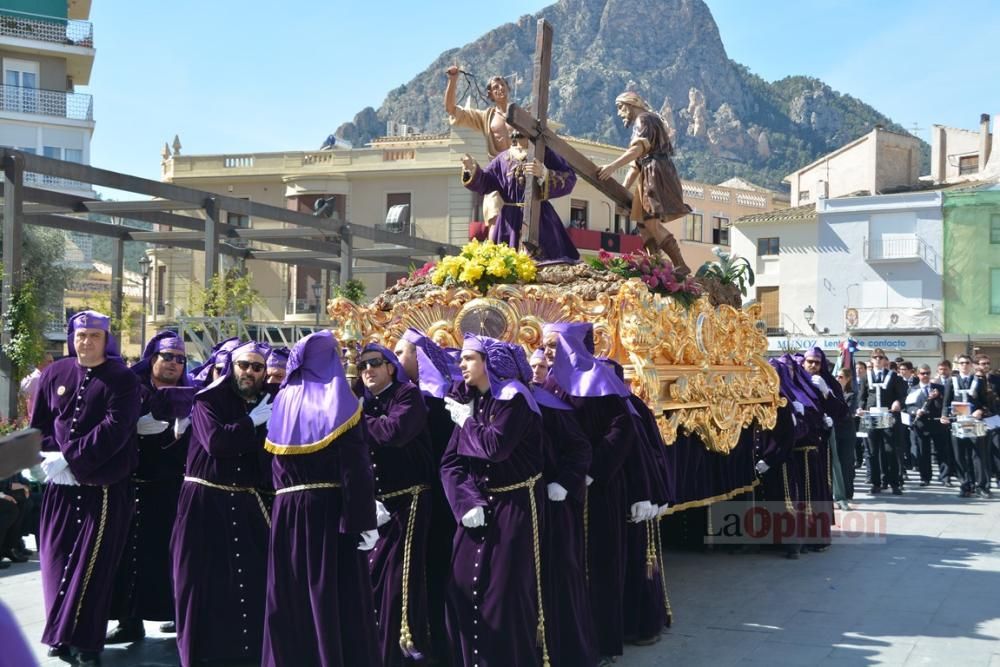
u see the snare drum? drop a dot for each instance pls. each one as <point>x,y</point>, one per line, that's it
<point>968,428</point>
<point>877,421</point>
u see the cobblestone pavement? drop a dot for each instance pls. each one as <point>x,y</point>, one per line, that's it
<point>928,595</point>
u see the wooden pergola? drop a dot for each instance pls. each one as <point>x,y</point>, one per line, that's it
<point>192,220</point>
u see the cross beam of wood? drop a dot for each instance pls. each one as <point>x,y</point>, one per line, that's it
<point>540,95</point>
<point>536,129</point>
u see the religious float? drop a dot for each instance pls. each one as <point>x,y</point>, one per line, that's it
<point>692,355</point>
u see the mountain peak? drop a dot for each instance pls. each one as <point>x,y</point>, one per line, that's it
<point>726,121</point>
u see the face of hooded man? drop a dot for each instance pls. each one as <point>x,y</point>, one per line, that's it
<point>90,345</point>
<point>248,375</point>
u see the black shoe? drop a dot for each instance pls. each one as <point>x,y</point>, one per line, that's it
<point>126,632</point>
<point>964,494</point>
<point>980,493</point>
<point>925,483</point>
<point>875,490</point>
<point>62,652</point>
<point>950,484</point>
<point>169,627</point>
<point>88,659</point>
<point>897,491</point>
<point>4,565</point>
<point>792,555</point>
<point>14,557</point>
<point>819,548</point>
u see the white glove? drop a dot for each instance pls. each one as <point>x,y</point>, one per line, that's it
<point>53,464</point>
<point>588,479</point>
<point>181,425</point>
<point>460,412</point>
<point>827,421</point>
<point>474,518</point>
<point>820,384</point>
<point>149,425</point>
<point>65,478</point>
<point>382,515</point>
<point>799,407</point>
<point>261,412</point>
<point>557,492</point>
<point>368,540</point>
<point>643,511</point>
<point>761,467</point>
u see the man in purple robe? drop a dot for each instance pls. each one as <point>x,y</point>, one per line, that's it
<point>599,399</point>
<point>277,365</point>
<point>220,538</point>
<point>507,174</point>
<point>839,420</point>
<point>402,463</point>
<point>86,409</point>
<point>570,622</point>
<point>144,589</point>
<point>320,609</point>
<point>434,372</point>
<point>491,472</point>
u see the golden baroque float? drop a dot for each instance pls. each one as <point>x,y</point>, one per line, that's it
<point>700,369</point>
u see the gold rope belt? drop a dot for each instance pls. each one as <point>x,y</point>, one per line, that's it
<point>92,561</point>
<point>408,491</point>
<point>663,575</point>
<point>405,635</point>
<point>307,487</point>
<point>234,489</point>
<point>530,484</point>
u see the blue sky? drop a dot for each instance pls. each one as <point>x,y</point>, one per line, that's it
<point>253,76</point>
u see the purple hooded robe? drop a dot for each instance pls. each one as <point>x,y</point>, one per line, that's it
<point>88,414</point>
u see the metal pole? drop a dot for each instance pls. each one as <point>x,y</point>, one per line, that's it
<point>142,336</point>
<point>12,212</point>
<point>346,255</point>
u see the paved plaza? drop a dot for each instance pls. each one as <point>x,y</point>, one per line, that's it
<point>930,595</point>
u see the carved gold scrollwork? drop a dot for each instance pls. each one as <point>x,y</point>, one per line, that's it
<point>701,369</point>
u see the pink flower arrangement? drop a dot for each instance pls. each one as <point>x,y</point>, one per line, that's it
<point>655,271</point>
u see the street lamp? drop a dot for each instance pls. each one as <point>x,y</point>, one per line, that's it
<point>316,287</point>
<point>144,264</point>
<point>809,314</point>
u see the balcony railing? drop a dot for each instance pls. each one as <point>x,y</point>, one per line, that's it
<point>901,248</point>
<point>74,106</point>
<point>46,28</point>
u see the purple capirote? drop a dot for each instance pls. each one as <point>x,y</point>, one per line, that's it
<point>509,374</point>
<point>315,403</point>
<point>436,370</point>
<point>575,369</point>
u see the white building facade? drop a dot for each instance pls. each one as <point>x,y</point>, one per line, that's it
<point>46,50</point>
<point>869,267</point>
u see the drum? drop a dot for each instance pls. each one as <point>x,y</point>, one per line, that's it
<point>876,421</point>
<point>968,428</point>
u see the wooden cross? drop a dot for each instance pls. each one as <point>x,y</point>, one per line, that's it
<point>536,129</point>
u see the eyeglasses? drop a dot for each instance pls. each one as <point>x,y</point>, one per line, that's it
<point>369,363</point>
<point>243,365</point>
<point>170,356</point>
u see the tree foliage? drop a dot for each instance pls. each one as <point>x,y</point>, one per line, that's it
<point>353,291</point>
<point>230,294</point>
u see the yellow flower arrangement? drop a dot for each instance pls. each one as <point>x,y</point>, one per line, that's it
<point>480,265</point>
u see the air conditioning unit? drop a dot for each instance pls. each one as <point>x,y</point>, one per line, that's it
<point>398,218</point>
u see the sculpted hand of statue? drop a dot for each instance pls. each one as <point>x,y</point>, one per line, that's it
<point>469,163</point>
<point>452,71</point>
<point>536,169</point>
<point>605,172</point>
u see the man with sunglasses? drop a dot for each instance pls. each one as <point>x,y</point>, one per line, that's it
<point>924,404</point>
<point>220,539</point>
<point>971,454</point>
<point>395,417</point>
<point>144,587</point>
<point>86,410</point>
<point>887,390</point>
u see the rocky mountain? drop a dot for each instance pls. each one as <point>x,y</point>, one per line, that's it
<point>725,120</point>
